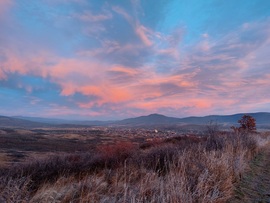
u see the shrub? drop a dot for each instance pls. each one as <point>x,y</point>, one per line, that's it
<point>120,150</point>
<point>247,124</point>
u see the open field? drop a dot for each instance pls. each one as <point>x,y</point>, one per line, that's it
<point>123,165</point>
<point>17,145</point>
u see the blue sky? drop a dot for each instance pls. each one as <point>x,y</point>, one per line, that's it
<point>81,59</point>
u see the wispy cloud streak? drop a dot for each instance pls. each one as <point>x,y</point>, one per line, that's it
<point>101,59</point>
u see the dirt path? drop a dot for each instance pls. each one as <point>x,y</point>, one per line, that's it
<point>255,184</point>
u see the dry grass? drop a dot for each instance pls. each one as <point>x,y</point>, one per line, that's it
<point>205,171</point>
<point>255,184</point>
<point>3,159</point>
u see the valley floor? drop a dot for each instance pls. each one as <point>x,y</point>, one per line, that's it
<point>185,169</point>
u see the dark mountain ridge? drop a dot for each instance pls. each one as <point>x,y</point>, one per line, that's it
<point>56,121</point>
<point>150,119</point>
<point>262,118</point>
<point>6,121</point>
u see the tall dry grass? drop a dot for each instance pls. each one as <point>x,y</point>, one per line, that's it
<point>168,172</point>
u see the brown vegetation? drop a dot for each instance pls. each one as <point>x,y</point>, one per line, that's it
<point>255,185</point>
<point>179,169</point>
<point>247,124</point>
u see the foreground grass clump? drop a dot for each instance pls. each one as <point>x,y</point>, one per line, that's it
<point>181,169</point>
<point>255,184</point>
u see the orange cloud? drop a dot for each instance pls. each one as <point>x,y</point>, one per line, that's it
<point>125,70</point>
<point>91,78</point>
<point>121,87</point>
<point>107,93</point>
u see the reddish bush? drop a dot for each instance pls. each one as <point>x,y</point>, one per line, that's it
<point>120,150</point>
<point>247,124</point>
<point>152,142</point>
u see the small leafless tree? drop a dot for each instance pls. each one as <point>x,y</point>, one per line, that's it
<point>212,128</point>
<point>213,140</point>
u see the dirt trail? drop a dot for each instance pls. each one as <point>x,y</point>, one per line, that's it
<point>255,184</point>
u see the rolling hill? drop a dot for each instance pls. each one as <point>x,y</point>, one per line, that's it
<point>155,119</point>
<point>262,119</point>
<point>19,123</point>
<point>152,119</point>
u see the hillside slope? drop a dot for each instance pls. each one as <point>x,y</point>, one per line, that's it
<point>19,123</point>
<point>262,120</point>
<point>152,119</point>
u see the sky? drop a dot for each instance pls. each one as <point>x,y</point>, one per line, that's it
<point>114,59</point>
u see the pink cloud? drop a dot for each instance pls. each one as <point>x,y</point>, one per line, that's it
<point>194,104</point>
<point>171,52</point>
<point>143,33</point>
<point>5,5</point>
<point>108,94</point>
<point>209,78</point>
<point>61,73</point>
<point>123,13</point>
<point>145,82</point>
<point>112,47</point>
<point>126,71</point>
<point>88,16</point>
<point>144,92</point>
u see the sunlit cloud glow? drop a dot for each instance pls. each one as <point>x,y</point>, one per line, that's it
<point>109,60</point>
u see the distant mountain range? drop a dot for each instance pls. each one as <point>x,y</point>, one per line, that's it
<point>262,119</point>
<point>55,121</point>
<point>152,119</point>
<point>20,123</point>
